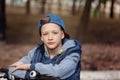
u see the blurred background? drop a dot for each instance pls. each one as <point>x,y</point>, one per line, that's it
<point>95,23</point>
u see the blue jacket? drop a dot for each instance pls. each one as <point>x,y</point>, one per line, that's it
<point>65,64</point>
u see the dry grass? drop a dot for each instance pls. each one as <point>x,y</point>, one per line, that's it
<point>94,56</point>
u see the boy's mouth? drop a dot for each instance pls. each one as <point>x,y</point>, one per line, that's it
<point>51,43</point>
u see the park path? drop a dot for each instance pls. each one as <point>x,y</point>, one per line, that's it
<point>100,75</point>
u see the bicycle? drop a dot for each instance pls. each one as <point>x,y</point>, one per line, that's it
<point>33,76</point>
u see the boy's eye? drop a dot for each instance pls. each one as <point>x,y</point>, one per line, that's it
<point>55,32</point>
<point>45,33</point>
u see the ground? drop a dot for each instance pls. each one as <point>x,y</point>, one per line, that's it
<point>94,56</point>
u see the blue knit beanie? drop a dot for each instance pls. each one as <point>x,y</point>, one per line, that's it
<point>53,19</point>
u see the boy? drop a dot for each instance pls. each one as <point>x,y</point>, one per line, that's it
<point>57,55</point>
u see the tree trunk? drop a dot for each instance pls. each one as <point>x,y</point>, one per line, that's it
<point>112,9</point>
<point>12,2</point>
<point>28,7</point>
<point>43,6</point>
<point>59,5</point>
<point>86,13</point>
<point>104,2</point>
<point>50,6</point>
<point>97,9</point>
<point>2,21</point>
<point>84,20</point>
<point>79,9</point>
<point>74,8</point>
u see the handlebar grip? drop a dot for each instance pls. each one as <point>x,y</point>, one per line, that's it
<point>3,70</point>
<point>35,75</point>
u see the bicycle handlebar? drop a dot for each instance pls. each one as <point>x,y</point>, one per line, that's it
<point>3,70</point>
<point>34,75</point>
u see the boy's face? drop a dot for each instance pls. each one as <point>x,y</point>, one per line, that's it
<point>52,35</point>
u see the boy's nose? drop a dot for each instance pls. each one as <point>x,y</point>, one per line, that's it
<point>50,37</point>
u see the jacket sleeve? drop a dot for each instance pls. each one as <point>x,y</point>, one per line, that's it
<point>17,73</point>
<point>26,60</point>
<point>62,70</point>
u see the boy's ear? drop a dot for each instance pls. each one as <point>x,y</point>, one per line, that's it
<point>41,38</point>
<point>63,35</point>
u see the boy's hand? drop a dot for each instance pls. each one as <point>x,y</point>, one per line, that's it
<point>18,63</point>
<point>22,67</point>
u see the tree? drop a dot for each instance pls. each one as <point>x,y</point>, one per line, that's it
<point>97,9</point>
<point>12,2</point>
<point>74,7</point>
<point>28,7</point>
<point>50,3</point>
<point>59,6</point>
<point>43,6</point>
<point>104,2</point>
<point>112,9</point>
<point>84,19</point>
<point>86,13</point>
<point>2,20</point>
<point>79,9</point>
